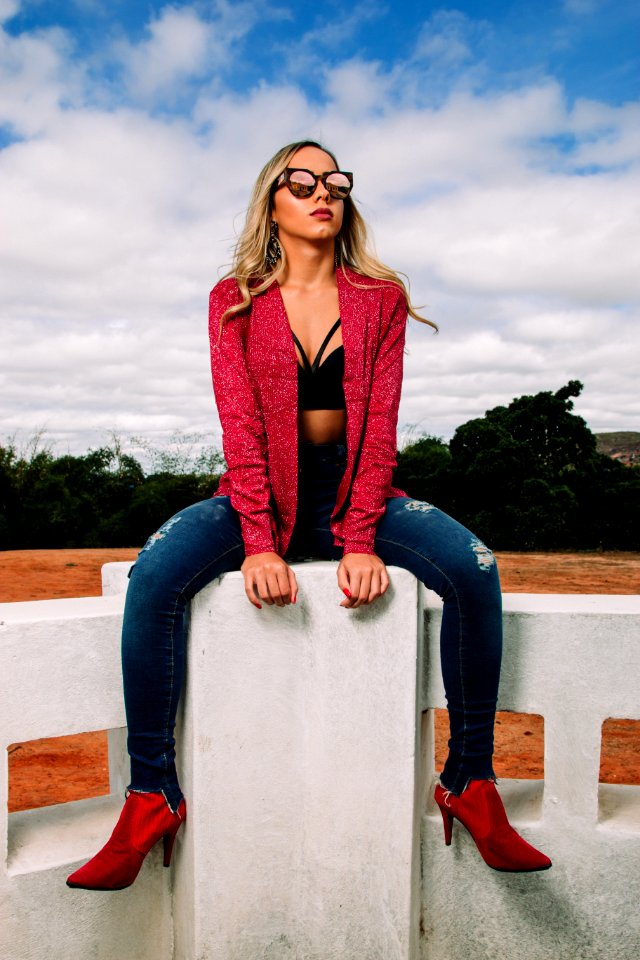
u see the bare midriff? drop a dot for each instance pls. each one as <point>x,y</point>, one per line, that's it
<point>322,426</point>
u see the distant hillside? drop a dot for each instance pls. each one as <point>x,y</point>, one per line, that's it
<point>621,445</point>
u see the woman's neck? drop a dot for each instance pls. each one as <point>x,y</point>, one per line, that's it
<point>309,267</point>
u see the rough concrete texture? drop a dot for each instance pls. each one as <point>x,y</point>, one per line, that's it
<point>305,771</point>
<point>576,661</point>
<point>61,674</point>
<point>115,577</point>
<point>298,749</point>
<point>303,723</point>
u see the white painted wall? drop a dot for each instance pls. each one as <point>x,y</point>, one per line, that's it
<point>576,661</point>
<point>299,759</point>
<point>59,662</point>
<point>305,771</point>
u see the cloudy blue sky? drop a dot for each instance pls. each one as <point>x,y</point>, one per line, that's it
<point>496,155</point>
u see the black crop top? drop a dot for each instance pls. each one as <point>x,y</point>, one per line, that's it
<point>320,386</point>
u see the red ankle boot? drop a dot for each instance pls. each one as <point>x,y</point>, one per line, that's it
<point>479,808</point>
<point>145,818</point>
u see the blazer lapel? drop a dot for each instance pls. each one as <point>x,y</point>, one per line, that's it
<point>276,329</point>
<point>360,314</point>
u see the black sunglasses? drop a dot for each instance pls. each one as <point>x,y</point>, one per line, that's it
<point>303,183</point>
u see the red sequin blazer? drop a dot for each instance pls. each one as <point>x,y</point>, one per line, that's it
<point>255,381</point>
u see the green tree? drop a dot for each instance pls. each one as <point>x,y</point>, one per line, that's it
<point>423,470</point>
<point>9,499</point>
<point>528,476</point>
<point>99,499</point>
<point>154,501</point>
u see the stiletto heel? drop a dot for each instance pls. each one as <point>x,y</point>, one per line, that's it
<point>145,819</point>
<point>168,841</point>
<point>447,820</point>
<point>480,809</point>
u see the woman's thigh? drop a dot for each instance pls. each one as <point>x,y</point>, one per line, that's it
<point>437,549</point>
<point>197,544</point>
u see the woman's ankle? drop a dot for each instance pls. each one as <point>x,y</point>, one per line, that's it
<point>172,794</point>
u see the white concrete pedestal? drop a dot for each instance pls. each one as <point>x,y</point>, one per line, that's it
<point>303,831</point>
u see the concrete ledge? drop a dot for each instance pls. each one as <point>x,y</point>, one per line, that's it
<point>62,667</point>
<point>300,758</point>
<point>619,807</point>
<point>60,835</point>
<point>308,768</point>
<point>576,661</point>
<point>115,577</point>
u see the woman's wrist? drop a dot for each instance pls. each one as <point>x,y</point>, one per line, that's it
<point>252,549</point>
<point>358,546</point>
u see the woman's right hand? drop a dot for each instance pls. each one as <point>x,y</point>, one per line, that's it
<point>267,577</point>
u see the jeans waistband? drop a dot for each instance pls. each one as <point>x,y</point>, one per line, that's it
<point>322,451</point>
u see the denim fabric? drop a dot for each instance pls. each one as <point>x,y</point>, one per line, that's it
<point>204,541</point>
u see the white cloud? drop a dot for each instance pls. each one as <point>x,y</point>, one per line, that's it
<point>8,9</point>
<point>565,237</point>
<point>331,31</point>
<point>186,48</point>
<point>577,326</point>
<point>608,137</point>
<point>445,39</point>
<point>36,78</point>
<point>116,221</point>
<point>581,7</point>
<point>310,55</point>
<point>177,47</point>
<point>355,87</point>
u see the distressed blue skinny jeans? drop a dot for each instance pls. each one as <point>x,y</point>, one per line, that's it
<point>204,541</point>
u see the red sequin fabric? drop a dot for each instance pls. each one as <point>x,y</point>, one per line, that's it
<point>255,380</point>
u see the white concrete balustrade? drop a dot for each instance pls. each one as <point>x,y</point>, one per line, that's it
<point>306,753</point>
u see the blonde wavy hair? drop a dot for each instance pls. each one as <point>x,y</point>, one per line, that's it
<point>250,268</point>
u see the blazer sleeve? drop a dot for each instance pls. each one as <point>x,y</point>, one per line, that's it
<point>244,440</point>
<point>374,472</point>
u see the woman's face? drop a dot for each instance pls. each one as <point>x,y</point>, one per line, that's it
<point>318,217</point>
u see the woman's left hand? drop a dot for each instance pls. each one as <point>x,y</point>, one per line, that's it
<point>364,576</point>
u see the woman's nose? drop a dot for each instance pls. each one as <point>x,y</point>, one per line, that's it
<point>321,192</point>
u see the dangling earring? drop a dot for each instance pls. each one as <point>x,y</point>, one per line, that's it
<point>274,251</point>
<point>337,258</point>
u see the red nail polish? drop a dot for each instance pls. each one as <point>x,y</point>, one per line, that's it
<point>347,593</point>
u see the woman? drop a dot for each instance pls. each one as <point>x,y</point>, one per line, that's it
<point>307,338</point>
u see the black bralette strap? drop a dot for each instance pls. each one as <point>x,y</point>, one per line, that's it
<point>305,361</point>
<point>318,358</point>
<point>316,362</point>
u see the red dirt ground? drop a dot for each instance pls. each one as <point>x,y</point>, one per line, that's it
<point>57,769</point>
